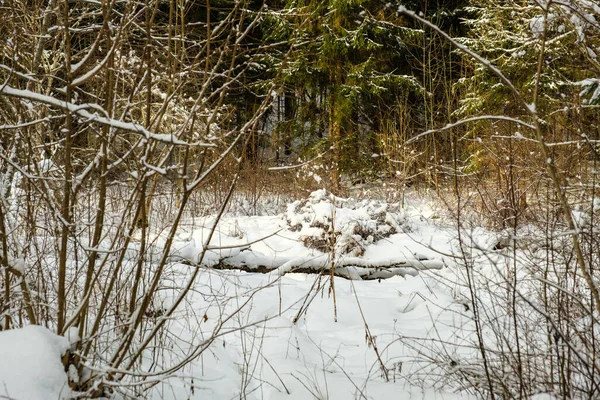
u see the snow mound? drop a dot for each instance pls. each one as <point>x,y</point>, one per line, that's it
<point>325,221</point>
<point>31,366</point>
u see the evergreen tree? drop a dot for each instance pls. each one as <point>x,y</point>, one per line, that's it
<point>349,62</point>
<point>511,36</point>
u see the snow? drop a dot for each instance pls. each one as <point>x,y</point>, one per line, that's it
<point>31,367</point>
<point>82,112</point>
<point>304,352</point>
<point>536,25</point>
<point>292,342</point>
<point>372,239</point>
<point>591,87</point>
<point>46,165</point>
<point>72,335</point>
<point>281,334</point>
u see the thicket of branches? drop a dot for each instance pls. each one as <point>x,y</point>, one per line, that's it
<point>120,119</point>
<point>114,116</point>
<point>523,136</point>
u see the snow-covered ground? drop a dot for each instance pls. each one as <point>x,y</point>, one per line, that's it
<point>379,346</point>
<point>30,364</point>
<point>290,335</point>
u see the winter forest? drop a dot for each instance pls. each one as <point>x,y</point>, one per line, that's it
<point>299,199</point>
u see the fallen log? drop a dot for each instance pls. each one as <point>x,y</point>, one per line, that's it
<point>354,268</point>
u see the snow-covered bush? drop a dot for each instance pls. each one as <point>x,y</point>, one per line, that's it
<point>326,221</point>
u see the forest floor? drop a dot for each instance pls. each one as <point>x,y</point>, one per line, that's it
<point>405,332</point>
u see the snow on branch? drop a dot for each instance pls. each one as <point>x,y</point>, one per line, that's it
<point>82,112</point>
<point>467,120</point>
<point>353,268</point>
